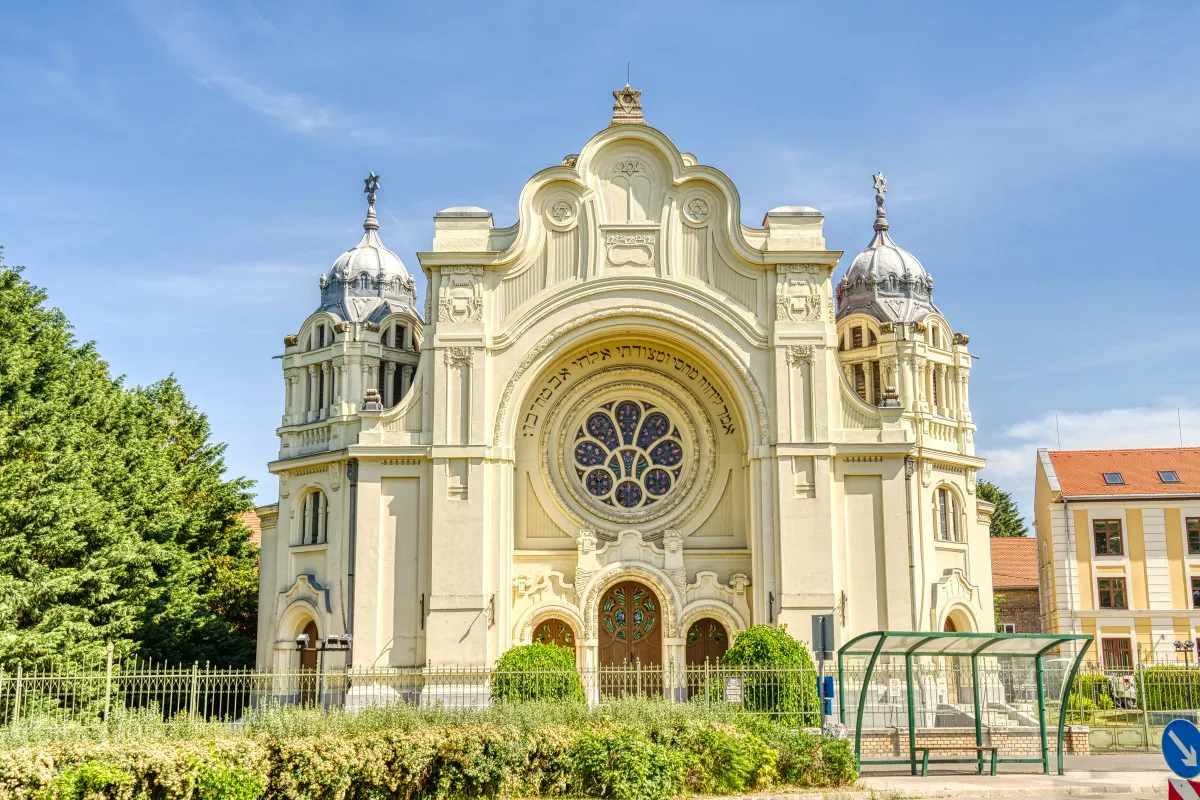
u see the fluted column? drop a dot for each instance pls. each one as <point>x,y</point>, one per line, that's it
<point>311,407</point>
<point>406,377</point>
<point>389,383</point>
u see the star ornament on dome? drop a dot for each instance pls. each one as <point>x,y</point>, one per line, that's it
<point>628,106</point>
<point>371,186</point>
<point>880,183</point>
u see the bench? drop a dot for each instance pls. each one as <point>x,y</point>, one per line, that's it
<point>927,749</point>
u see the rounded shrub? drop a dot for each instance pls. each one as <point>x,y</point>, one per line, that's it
<point>777,672</point>
<point>536,672</point>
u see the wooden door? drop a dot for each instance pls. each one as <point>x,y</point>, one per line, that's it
<point>630,626</point>
<point>308,667</point>
<point>707,641</point>
<point>556,632</point>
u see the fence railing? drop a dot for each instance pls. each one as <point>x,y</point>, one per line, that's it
<point>210,694</point>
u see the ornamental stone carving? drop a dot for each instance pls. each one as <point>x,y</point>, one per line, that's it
<point>461,295</point>
<point>696,210</point>
<point>335,476</point>
<point>630,248</point>
<point>459,356</point>
<point>798,355</point>
<point>798,297</point>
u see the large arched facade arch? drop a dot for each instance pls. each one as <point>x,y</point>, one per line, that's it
<point>723,613</point>
<point>752,406</point>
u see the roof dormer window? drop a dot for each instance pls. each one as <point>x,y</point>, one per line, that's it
<point>1114,479</point>
<point>1168,476</point>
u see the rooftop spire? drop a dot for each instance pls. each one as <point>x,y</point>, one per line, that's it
<point>881,223</point>
<point>371,186</point>
<point>628,108</point>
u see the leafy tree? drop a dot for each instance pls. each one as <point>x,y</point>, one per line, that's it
<point>1006,520</point>
<point>115,522</point>
<point>780,678</point>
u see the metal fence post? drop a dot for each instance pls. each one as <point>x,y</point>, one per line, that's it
<point>1143,706</point>
<point>17,695</point>
<point>194,688</point>
<point>108,683</point>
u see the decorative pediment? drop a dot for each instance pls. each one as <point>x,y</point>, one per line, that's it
<point>306,589</point>
<point>953,587</point>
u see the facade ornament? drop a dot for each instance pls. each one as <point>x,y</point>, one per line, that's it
<point>586,544</point>
<point>290,340</point>
<point>520,586</point>
<point>372,401</point>
<point>672,541</point>
<point>335,476</point>
<point>887,327</point>
<point>799,354</point>
<point>696,209</point>
<point>284,490</point>
<point>962,338</point>
<point>461,296</point>
<point>459,356</point>
<point>561,212</point>
<point>881,223</point>
<point>571,160</point>
<point>926,472</point>
<point>738,582</point>
<point>970,481</point>
<point>629,167</point>
<point>627,109</point>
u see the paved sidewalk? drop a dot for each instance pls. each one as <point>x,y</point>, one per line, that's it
<point>1142,774</point>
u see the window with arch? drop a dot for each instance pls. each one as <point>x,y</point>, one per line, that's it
<point>628,454</point>
<point>314,518</point>
<point>949,526</point>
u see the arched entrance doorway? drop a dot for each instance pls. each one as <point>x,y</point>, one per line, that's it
<point>630,630</point>
<point>707,641</point>
<point>556,632</point>
<point>308,666</point>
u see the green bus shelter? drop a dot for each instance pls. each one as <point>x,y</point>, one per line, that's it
<point>974,646</point>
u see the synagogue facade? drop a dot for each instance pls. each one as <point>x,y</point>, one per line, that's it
<point>629,424</point>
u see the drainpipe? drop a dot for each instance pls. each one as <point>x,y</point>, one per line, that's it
<point>351,540</point>
<point>910,466</point>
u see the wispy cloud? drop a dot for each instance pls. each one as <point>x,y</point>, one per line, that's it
<point>1011,462</point>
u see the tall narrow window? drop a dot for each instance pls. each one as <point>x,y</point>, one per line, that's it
<point>933,376</point>
<point>320,388</point>
<point>860,382</point>
<point>943,500</point>
<point>1107,534</point>
<point>397,384</point>
<point>314,518</point>
<point>876,385</point>
<point>934,338</point>
<point>1193,536</point>
<point>321,335</point>
<point>856,336</point>
<point>871,340</point>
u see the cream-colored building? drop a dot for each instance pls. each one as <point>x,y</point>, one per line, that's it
<point>1118,536</point>
<point>629,424</point>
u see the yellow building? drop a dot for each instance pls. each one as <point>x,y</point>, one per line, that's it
<point>1119,549</point>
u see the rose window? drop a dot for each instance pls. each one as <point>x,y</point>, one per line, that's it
<point>628,454</point>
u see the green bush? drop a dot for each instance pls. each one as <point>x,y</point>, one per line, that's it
<point>1166,688</point>
<point>632,749</point>
<point>779,676</point>
<point>536,672</point>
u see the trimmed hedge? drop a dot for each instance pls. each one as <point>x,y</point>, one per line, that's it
<point>780,679</point>
<point>536,672</point>
<point>1166,687</point>
<point>640,750</point>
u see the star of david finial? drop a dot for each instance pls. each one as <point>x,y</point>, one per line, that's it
<point>628,107</point>
<point>371,186</point>
<point>880,183</point>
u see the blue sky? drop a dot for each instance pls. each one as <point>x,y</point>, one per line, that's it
<point>177,175</point>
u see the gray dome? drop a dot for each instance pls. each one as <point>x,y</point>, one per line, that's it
<point>885,280</point>
<point>368,282</point>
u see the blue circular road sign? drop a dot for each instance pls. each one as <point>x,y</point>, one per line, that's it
<point>1181,748</point>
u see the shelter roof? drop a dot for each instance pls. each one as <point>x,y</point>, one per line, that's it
<point>901,643</point>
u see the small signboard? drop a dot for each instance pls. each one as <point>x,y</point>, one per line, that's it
<point>1181,748</point>
<point>894,688</point>
<point>822,636</point>
<point>734,693</point>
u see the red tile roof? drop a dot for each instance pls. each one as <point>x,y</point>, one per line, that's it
<point>1014,562</point>
<point>1081,472</point>
<point>251,521</point>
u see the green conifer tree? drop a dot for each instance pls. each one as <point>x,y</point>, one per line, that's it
<point>116,524</point>
<point>1007,519</point>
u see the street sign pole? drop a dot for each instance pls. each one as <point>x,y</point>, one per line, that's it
<point>822,645</point>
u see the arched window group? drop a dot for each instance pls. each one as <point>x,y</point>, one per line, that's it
<point>314,518</point>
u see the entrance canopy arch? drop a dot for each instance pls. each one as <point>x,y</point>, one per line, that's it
<point>910,646</point>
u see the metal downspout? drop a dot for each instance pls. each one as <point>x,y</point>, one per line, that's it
<point>351,545</point>
<point>910,465</point>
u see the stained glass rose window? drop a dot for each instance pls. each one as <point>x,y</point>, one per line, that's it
<point>628,454</point>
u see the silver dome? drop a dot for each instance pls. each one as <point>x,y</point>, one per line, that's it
<point>368,282</point>
<point>885,280</point>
